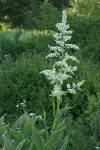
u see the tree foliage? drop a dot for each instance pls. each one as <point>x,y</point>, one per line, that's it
<point>19,13</point>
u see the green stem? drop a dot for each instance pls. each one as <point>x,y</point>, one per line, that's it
<point>59,101</point>
<point>53,107</point>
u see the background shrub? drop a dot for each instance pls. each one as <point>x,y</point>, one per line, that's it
<point>20,80</point>
<point>49,16</point>
<point>14,43</point>
<point>22,58</point>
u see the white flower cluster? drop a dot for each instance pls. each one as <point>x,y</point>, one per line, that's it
<point>62,70</point>
<point>23,104</point>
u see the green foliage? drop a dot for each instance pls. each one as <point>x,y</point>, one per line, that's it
<point>60,4</point>
<point>19,13</point>
<point>14,43</point>
<point>84,19</point>
<point>3,128</point>
<point>84,124</point>
<point>24,134</point>
<point>20,80</point>
<point>49,16</point>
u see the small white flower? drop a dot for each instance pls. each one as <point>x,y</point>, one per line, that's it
<point>80,83</point>
<point>74,85</point>
<point>17,106</point>
<point>21,103</point>
<point>13,141</point>
<point>97,147</point>
<point>31,114</point>
<point>74,68</point>
<point>24,101</point>
<point>72,91</point>
<point>72,46</point>
<point>62,69</point>
<point>68,86</point>
<point>39,117</point>
<point>56,54</point>
<point>57,91</point>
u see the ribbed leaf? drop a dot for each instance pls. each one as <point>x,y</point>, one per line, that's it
<point>61,125</point>
<point>20,145</point>
<point>28,126</point>
<point>57,121</point>
<point>1,121</point>
<point>31,146</point>
<point>57,135</point>
<point>7,143</point>
<point>64,145</point>
<point>2,129</point>
<point>23,119</point>
<point>49,146</point>
<point>37,139</point>
<point>15,125</point>
<point>18,135</point>
<point>45,126</point>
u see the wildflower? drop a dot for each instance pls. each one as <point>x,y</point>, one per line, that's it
<point>21,103</point>
<point>62,69</point>
<point>39,117</point>
<point>17,106</point>
<point>97,147</point>
<point>31,114</point>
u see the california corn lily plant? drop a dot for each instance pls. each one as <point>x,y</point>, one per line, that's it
<point>62,70</point>
<point>24,134</point>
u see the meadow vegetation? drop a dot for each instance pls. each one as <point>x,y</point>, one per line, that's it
<point>23,48</point>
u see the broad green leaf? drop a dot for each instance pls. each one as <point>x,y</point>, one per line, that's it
<point>7,143</point>
<point>64,145</point>
<point>1,142</point>
<point>4,148</point>
<point>54,107</point>
<point>15,125</point>
<point>37,139</point>
<point>49,146</point>
<point>23,119</point>
<point>27,144</point>
<point>31,146</point>
<point>29,126</point>
<point>57,121</point>
<point>18,135</point>
<point>1,121</point>
<point>20,145</point>
<point>56,136</point>
<point>61,125</point>
<point>45,126</point>
<point>2,130</point>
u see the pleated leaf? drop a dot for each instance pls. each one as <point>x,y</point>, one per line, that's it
<point>37,139</point>
<point>7,143</point>
<point>20,145</point>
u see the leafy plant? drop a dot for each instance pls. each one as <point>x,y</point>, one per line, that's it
<point>49,16</point>
<point>26,134</point>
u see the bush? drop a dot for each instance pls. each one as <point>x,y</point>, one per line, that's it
<point>19,13</point>
<point>14,43</point>
<point>25,135</point>
<point>20,80</point>
<point>49,16</point>
<point>84,123</point>
<point>84,19</point>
